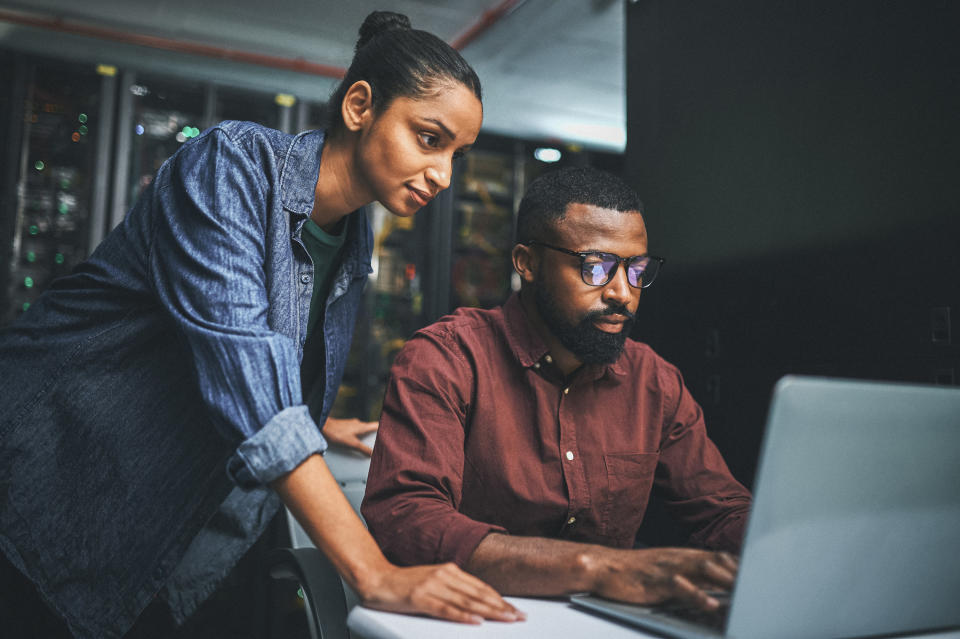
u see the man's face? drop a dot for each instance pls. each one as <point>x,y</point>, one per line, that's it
<point>592,322</point>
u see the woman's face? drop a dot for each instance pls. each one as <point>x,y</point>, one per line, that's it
<point>405,153</point>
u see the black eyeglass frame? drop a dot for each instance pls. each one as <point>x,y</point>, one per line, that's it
<point>583,255</point>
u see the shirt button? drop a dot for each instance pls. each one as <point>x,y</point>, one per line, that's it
<point>571,521</point>
<point>305,278</point>
<point>566,390</point>
<point>537,365</point>
<point>570,455</point>
<point>549,359</point>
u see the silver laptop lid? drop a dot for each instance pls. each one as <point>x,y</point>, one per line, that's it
<point>855,528</point>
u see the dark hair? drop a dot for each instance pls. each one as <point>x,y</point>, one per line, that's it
<point>399,61</point>
<point>546,199</point>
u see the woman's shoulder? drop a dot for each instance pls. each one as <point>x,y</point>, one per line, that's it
<point>253,138</point>
<point>240,129</point>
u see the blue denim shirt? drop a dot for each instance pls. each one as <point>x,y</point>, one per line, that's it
<point>149,396</point>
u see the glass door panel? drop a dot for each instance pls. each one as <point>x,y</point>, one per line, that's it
<point>166,113</point>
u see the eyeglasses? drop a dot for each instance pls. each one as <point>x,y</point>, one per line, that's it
<point>597,269</point>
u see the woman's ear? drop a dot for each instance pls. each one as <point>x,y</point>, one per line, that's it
<point>357,106</point>
<point>525,263</point>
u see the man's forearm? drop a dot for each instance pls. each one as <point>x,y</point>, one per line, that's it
<point>535,566</point>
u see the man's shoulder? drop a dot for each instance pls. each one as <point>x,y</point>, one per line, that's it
<point>641,356</point>
<point>452,347</point>
<point>466,320</point>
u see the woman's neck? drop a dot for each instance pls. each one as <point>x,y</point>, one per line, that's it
<point>339,190</point>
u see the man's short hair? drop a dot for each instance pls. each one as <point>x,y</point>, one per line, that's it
<point>546,199</point>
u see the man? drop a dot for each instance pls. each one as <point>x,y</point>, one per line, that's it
<point>523,442</point>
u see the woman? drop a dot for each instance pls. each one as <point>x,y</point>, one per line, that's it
<point>154,399</point>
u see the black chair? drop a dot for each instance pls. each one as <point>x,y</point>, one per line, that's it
<point>327,598</point>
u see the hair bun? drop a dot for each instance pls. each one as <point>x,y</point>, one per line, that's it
<point>380,22</point>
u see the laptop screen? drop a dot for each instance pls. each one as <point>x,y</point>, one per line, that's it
<point>856,517</point>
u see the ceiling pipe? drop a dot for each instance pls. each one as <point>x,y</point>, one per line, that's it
<point>171,44</point>
<point>62,25</point>
<point>487,20</point>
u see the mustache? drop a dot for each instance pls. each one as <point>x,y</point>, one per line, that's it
<point>615,309</point>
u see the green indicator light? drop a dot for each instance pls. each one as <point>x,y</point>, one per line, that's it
<point>194,132</point>
<point>63,208</point>
<point>83,118</point>
<point>39,165</point>
<point>82,130</point>
<point>31,256</point>
<point>58,258</point>
<point>28,282</point>
<point>34,229</point>
<point>25,306</point>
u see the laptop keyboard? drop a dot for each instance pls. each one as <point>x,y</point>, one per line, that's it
<point>713,619</point>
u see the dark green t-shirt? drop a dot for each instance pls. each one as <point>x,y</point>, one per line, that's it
<point>324,249</point>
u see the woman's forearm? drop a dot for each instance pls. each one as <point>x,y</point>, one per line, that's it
<point>315,499</point>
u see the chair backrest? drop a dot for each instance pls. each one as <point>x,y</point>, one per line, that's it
<point>350,469</point>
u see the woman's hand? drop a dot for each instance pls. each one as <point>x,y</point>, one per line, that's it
<point>442,591</point>
<point>313,496</point>
<point>347,433</point>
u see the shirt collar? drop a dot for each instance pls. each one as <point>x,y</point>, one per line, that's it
<point>298,185</point>
<point>523,339</point>
<point>301,168</point>
<point>530,349</point>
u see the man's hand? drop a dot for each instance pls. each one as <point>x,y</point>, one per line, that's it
<point>347,433</point>
<point>656,575</point>
<point>538,567</point>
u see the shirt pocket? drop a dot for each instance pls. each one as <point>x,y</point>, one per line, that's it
<point>629,480</point>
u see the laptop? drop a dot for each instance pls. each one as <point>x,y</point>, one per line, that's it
<point>855,526</point>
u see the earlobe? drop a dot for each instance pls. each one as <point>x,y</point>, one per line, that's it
<point>524,262</point>
<point>357,106</point>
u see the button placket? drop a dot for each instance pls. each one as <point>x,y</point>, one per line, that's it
<point>579,497</point>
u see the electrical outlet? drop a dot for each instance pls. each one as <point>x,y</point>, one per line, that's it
<point>940,325</point>
<point>945,377</point>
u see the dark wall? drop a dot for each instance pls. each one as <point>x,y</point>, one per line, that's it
<point>800,165</point>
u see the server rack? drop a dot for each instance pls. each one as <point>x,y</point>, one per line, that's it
<point>55,165</point>
<point>102,132</point>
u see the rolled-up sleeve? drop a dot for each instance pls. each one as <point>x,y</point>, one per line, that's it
<point>206,264</point>
<point>698,489</point>
<point>415,485</point>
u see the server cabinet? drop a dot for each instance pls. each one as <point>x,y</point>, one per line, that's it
<point>486,193</point>
<point>54,191</point>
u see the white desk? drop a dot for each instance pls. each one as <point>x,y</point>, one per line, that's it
<point>545,618</point>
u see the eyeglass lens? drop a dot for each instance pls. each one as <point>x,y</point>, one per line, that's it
<point>598,270</point>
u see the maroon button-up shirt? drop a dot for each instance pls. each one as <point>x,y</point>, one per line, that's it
<point>481,433</point>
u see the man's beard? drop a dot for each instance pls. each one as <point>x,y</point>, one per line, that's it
<point>587,342</point>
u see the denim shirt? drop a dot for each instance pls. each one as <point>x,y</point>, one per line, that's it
<point>155,391</point>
